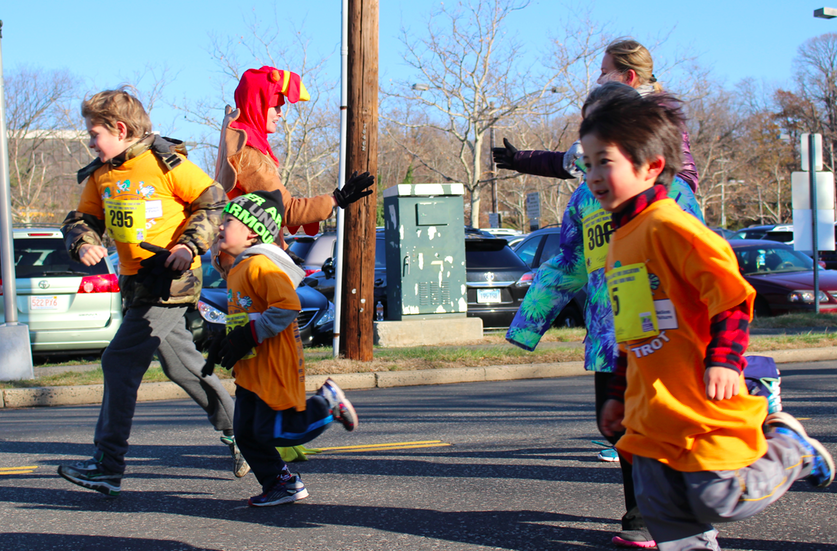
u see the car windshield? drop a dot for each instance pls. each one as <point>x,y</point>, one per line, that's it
<point>47,257</point>
<point>211,278</point>
<point>769,260</point>
<point>491,254</point>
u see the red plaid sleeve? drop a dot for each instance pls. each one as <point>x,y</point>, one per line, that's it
<point>730,332</point>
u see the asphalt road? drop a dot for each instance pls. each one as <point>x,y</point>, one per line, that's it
<point>506,465</point>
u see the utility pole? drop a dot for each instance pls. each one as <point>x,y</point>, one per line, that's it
<point>356,327</point>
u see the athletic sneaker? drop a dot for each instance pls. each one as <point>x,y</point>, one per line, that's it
<point>341,407</point>
<point>822,468</point>
<point>240,466</point>
<point>90,474</point>
<point>281,492</point>
<point>640,539</point>
<point>608,454</point>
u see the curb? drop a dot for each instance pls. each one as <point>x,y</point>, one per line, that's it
<point>92,394</point>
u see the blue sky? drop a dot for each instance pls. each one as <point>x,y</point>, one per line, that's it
<point>105,43</point>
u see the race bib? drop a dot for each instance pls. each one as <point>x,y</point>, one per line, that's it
<point>237,320</point>
<point>634,315</point>
<point>597,228</point>
<point>125,219</point>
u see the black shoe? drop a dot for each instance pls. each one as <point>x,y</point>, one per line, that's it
<point>90,474</point>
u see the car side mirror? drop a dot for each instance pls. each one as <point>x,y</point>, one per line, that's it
<point>328,267</point>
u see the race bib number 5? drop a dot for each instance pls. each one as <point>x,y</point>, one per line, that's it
<point>125,220</point>
<point>597,228</point>
<point>634,315</point>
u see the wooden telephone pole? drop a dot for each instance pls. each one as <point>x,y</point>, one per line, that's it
<point>361,155</point>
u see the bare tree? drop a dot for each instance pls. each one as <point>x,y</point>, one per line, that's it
<point>307,144</point>
<point>470,76</point>
<point>44,139</point>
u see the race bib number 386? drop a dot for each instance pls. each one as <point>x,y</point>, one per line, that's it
<point>125,220</point>
<point>597,229</point>
<point>634,315</point>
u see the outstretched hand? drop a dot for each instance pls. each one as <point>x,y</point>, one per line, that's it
<point>504,156</point>
<point>356,187</point>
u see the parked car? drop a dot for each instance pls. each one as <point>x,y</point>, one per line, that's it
<point>782,233</point>
<point>324,282</point>
<point>539,246</point>
<point>69,307</point>
<point>503,232</point>
<point>783,278</point>
<point>535,249</point>
<point>725,233</point>
<point>316,316</point>
<point>314,253</point>
<point>829,258</point>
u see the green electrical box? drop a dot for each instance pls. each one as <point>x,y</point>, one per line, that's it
<point>425,251</point>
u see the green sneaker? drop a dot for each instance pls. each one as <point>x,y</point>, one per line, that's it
<point>240,465</point>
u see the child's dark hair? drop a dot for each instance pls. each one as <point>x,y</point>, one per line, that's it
<point>643,128</point>
<point>605,92</point>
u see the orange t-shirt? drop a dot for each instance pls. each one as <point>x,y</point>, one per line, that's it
<point>277,372</point>
<point>693,275</point>
<point>142,201</point>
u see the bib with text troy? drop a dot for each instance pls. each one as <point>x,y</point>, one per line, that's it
<point>597,227</point>
<point>634,315</point>
<point>125,219</point>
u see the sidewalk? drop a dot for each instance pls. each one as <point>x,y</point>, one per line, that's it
<point>92,394</point>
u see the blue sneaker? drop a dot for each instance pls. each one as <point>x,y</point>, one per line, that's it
<point>822,468</point>
<point>91,475</point>
<point>280,492</point>
<point>608,454</point>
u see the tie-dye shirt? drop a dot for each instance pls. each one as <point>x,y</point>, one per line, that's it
<point>561,277</point>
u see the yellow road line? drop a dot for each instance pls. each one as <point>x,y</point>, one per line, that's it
<point>381,445</point>
<point>17,468</point>
<point>385,448</point>
<point>20,471</point>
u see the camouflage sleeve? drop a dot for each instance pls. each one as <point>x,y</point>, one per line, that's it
<point>206,214</point>
<point>556,283</point>
<point>80,229</point>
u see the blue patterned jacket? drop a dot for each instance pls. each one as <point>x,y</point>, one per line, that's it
<point>561,277</point>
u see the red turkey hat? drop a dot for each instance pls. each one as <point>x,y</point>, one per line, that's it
<point>258,91</point>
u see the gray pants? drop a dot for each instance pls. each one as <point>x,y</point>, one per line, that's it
<point>679,507</point>
<point>145,330</point>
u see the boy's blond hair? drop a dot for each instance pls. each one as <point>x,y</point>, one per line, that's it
<point>112,106</point>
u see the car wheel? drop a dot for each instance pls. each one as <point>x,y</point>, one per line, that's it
<point>761,309</point>
<point>569,317</point>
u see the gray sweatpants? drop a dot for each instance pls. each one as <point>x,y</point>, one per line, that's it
<point>679,508</point>
<point>145,330</point>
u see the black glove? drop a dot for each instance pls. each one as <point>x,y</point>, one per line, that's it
<point>354,189</point>
<point>504,156</point>
<point>237,344</point>
<point>212,355</point>
<point>154,275</point>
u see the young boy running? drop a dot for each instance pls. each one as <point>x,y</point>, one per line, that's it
<point>163,213</point>
<point>263,345</point>
<point>700,452</point>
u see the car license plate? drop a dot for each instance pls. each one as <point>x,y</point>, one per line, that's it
<point>487,296</point>
<point>43,303</point>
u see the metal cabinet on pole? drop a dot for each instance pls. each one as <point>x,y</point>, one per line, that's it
<point>425,251</point>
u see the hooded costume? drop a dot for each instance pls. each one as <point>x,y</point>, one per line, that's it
<point>245,161</point>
